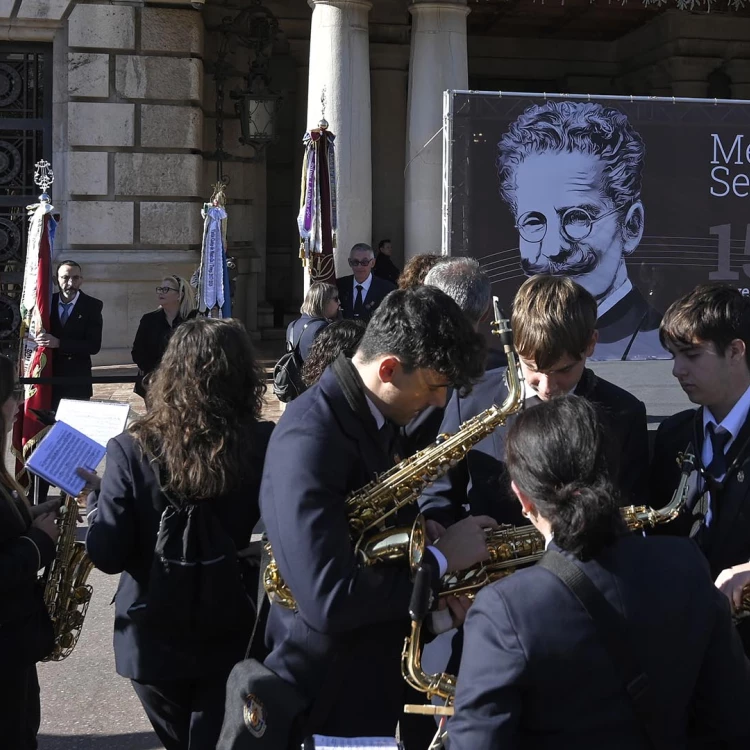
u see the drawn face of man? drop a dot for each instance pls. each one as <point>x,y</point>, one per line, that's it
<point>567,225</point>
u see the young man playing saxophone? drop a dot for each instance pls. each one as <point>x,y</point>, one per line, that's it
<point>346,634</point>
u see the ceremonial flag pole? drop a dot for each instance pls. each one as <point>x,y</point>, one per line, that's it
<point>36,302</point>
<point>214,297</point>
<point>317,220</point>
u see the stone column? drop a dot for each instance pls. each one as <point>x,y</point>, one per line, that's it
<point>438,62</point>
<point>340,63</point>
<point>389,90</point>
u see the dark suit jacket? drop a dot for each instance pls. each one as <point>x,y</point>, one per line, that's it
<point>151,339</point>
<point>350,619</point>
<point>80,337</point>
<point>25,628</point>
<point>480,480</point>
<point>535,673</point>
<point>378,290</point>
<point>727,541</point>
<point>629,330</point>
<point>123,524</point>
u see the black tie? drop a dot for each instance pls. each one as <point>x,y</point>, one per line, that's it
<point>389,435</point>
<point>718,466</point>
<point>359,307</point>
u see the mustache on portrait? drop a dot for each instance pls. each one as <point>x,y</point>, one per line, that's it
<point>574,262</point>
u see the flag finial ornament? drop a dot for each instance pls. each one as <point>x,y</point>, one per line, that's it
<point>43,178</point>
<point>323,124</point>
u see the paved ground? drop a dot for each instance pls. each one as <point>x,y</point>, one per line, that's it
<point>86,706</point>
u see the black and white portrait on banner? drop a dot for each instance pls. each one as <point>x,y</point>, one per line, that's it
<point>638,201</point>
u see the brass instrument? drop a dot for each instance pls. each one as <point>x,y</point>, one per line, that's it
<point>512,548</point>
<point>369,508</point>
<point>66,593</point>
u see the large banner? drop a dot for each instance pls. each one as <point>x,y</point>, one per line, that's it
<point>638,200</point>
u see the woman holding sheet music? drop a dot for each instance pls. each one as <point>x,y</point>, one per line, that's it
<point>27,544</point>
<point>181,484</point>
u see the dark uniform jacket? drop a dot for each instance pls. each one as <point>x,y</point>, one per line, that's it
<point>379,288</point>
<point>25,628</point>
<point>726,542</point>
<point>80,338</point>
<point>123,525</point>
<point>348,631</point>
<point>535,673</point>
<point>481,481</point>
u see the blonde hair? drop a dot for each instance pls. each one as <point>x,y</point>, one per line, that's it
<point>318,296</point>
<point>188,301</point>
<point>552,317</point>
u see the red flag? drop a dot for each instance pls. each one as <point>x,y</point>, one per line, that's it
<point>35,361</point>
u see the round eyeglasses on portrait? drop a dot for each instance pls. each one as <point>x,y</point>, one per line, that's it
<point>165,289</point>
<point>575,224</point>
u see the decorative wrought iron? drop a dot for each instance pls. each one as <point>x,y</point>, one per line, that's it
<point>25,138</point>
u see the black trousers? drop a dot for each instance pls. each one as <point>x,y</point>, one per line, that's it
<point>185,714</point>
<point>20,712</point>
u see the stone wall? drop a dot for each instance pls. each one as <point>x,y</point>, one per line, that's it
<point>131,154</point>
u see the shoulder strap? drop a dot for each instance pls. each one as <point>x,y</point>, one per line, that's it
<point>611,627</point>
<point>261,599</point>
<point>294,346</point>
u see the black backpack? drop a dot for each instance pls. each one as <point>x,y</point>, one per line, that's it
<point>287,372</point>
<point>197,586</point>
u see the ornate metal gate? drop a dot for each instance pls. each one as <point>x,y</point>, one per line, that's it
<point>25,138</point>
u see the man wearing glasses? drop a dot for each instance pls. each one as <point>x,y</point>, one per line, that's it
<point>361,293</point>
<point>571,174</point>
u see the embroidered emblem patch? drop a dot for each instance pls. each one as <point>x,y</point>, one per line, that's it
<point>740,476</point>
<point>254,715</point>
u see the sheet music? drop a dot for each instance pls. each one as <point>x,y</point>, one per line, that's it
<point>354,743</point>
<point>99,420</point>
<point>62,450</point>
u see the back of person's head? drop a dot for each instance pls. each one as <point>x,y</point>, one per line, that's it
<point>188,297</point>
<point>341,336</point>
<point>415,270</point>
<point>426,329</point>
<point>553,317</point>
<point>716,313</point>
<point>317,298</point>
<point>204,395</point>
<point>465,283</point>
<point>556,454</point>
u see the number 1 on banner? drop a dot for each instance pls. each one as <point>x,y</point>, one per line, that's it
<point>724,270</point>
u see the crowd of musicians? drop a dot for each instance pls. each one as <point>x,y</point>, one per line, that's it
<point>534,669</point>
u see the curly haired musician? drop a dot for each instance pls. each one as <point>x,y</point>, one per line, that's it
<point>538,672</point>
<point>707,331</point>
<point>345,638</point>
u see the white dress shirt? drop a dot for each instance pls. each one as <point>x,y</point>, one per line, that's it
<point>365,288</point>
<point>609,302</point>
<point>61,305</point>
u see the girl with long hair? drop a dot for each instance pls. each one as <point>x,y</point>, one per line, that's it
<point>27,544</point>
<point>201,442</point>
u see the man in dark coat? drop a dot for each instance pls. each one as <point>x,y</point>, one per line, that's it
<point>708,333</point>
<point>75,331</point>
<point>342,643</point>
<point>360,294</point>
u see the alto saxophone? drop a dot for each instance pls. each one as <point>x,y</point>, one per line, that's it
<point>66,593</point>
<point>512,548</point>
<point>369,508</point>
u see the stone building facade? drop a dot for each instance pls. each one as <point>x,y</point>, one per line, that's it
<point>125,105</point>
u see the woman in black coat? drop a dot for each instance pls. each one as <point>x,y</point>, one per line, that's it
<point>176,304</point>
<point>201,444</point>
<point>27,544</point>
